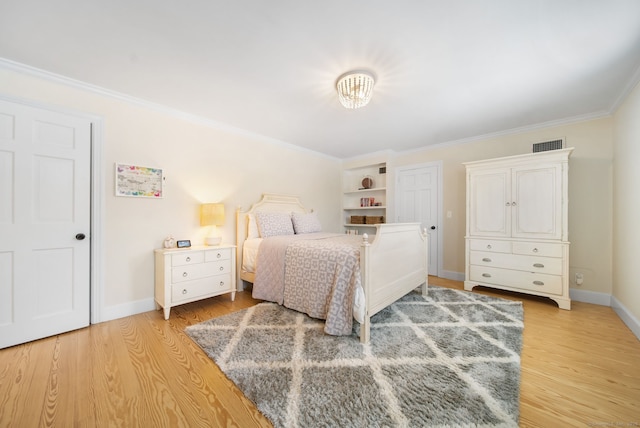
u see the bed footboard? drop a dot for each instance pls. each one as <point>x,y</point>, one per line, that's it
<point>391,266</point>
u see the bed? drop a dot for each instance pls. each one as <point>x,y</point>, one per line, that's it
<point>368,272</point>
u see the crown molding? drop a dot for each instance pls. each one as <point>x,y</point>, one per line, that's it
<point>513,131</point>
<point>17,67</point>
<point>631,85</point>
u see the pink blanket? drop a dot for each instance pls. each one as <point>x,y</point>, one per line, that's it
<point>315,273</point>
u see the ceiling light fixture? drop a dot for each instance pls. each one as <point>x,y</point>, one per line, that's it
<point>355,88</point>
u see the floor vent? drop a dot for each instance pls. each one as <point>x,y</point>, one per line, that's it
<point>548,145</point>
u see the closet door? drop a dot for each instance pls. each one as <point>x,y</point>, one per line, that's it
<point>537,202</point>
<point>489,203</point>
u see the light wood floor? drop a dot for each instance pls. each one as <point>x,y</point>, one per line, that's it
<point>579,368</point>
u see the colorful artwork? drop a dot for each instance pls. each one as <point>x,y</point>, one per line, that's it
<point>138,181</point>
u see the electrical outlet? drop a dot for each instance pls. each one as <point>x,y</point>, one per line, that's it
<point>579,278</point>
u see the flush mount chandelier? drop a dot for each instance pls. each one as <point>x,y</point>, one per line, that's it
<point>355,88</point>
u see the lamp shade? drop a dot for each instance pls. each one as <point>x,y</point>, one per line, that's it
<point>211,214</point>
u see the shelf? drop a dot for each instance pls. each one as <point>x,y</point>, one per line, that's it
<point>354,196</point>
<point>375,189</point>
<point>379,207</point>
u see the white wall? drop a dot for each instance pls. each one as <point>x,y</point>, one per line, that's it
<point>202,164</point>
<point>626,207</point>
<point>590,193</point>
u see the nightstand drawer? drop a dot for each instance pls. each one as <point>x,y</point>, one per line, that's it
<point>217,255</point>
<point>201,270</point>
<point>189,258</point>
<point>200,287</point>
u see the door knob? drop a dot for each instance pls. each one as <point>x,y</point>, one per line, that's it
<point>433,228</point>
<point>80,236</point>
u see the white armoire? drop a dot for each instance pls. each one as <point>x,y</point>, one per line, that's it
<point>517,224</point>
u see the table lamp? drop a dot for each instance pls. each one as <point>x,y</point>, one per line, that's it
<point>212,215</point>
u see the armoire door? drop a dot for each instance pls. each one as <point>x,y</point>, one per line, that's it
<point>489,203</point>
<point>45,161</point>
<point>537,202</point>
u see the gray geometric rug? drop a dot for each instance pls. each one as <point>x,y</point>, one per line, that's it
<point>452,359</point>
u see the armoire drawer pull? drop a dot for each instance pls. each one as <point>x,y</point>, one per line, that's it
<point>488,246</point>
<point>538,283</point>
<point>221,268</point>
<point>221,283</point>
<point>218,255</point>
<point>184,274</point>
<point>538,265</point>
<point>535,250</point>
<point>188,259</point>
<point>486,259</point>
<point>184,291</point>
<point>486,275</point>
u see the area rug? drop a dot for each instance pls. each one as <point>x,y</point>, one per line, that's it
<point>450,359</point>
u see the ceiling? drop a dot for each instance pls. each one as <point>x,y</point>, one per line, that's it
<point>446,70</point>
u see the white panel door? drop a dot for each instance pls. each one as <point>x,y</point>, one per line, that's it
<point>418,198</point>
<point>44,223</point>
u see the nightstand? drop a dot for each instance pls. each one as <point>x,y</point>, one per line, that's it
<point>189,274</point>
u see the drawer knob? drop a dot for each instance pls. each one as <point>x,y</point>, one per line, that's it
<point>221,283</point>
<point>538,283</point>
<point>184,274</point>
<point>535,250</point>
<point>486,259</point>
<point>188,259</point>
<point>488,246</point>
<point>221,268</point>
<point>508,204</point>
<point>538,265</point>
<point>486,275</point>
<point>218,255</point>
<point>184,291</point>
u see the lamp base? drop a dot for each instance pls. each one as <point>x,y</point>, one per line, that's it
<point>213,240</point>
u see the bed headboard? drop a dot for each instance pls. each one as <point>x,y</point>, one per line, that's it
<point>269,202</point>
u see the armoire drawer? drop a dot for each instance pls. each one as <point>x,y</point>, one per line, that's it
<point>517,279</point>
<point>199,287</point>
<point>548,265</point>
<point>494,246</point>
<point>537,249</point>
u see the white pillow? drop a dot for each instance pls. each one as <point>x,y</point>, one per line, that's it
<point>306,223</point>
<point>252,227</point>
<point>274,223</point>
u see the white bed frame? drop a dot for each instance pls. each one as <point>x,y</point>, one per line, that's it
<point>391,265</point>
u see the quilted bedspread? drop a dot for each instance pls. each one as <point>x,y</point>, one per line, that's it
<point>315,273</point>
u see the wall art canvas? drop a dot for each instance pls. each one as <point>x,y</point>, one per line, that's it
<point>139,181</point>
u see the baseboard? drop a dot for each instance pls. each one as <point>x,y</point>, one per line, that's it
<point>594,297</point>
<point>626,316</point>
<point>127,309</point>
<point>454,276</point>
